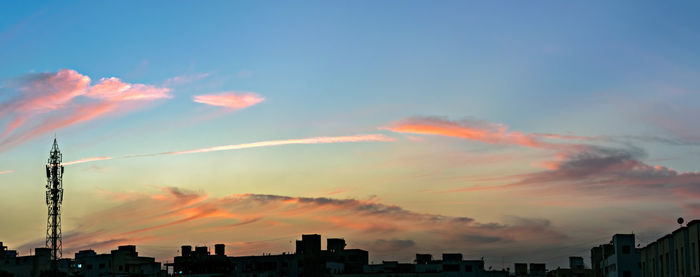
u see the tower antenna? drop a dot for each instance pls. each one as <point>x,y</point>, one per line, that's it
<point>54,198</point>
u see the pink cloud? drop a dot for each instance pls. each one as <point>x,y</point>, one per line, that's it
<point>49,101</point>
<point>231,100</point>
<point>6,171</point>
<point>50,91</point>
<point>113,89</point>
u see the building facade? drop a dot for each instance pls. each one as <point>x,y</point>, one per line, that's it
<point>619,258</point>
<point>673,255</point>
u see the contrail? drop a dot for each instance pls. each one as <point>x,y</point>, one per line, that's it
<point>87,160</point>
<point>314,140</point>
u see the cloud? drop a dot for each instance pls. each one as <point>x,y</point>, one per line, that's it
<point>113,89</point>
<point>43,92</point>
<point>314,140</point>
<point>184,79</point>
<point>476,130</point>
<point>592,171</point>
<point>268,143</point>
<point>174,216</point>
<point>6,171</point>
<point>607,173</point>
<point>50,101</point>
<point>230,100</point>
<point>87,160</point>
<point>612,168</point>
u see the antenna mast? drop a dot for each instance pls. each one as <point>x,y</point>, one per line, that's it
<point>54,198</point>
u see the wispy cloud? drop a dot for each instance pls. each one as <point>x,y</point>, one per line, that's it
<point>315,140</point>
<point>6,172</point>
<point>267,143</point>
<point>87,160</point>
<point>476,130</point>
<point>49,101</point>
<point>184,79</point>
<point>230,100</point>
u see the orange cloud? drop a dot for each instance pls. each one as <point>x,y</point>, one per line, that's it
<point>476,130</point>
<point>231,100</point>
<point>176,216</point>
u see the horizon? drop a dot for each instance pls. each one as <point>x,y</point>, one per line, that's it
<point>511,131</point>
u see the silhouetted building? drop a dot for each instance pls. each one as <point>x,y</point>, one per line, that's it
<point>520,269</point>
<point>201,262</point>
<point>576,269</point>
<point>619,258</point>
<point>35,265</point>
<point>337,259</point>
<point>124,261</point>
<point>535,270</point>
<point>308,260</point>
<point>576,263</point>
<point>452,264</point>
<point>673,255</point>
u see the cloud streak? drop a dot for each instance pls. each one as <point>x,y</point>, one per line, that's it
<point>6,172</point>
<point>314,140</point>
<point>230,100</point>
<point>268,143</point>
<point>87,160</point>
<point>477,130</point>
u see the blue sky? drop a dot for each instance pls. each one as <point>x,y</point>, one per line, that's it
<point>437,78</point>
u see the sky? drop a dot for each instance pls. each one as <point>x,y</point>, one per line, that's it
<point>510,130</point>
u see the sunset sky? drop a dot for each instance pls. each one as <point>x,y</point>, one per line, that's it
<point>514,131</point>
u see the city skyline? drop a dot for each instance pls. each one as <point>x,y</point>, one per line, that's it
<point>505,129</point>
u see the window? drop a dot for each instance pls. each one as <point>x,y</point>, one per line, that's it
<point>626,273</point>
<point>468,268</point>
<point>626,249</point>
